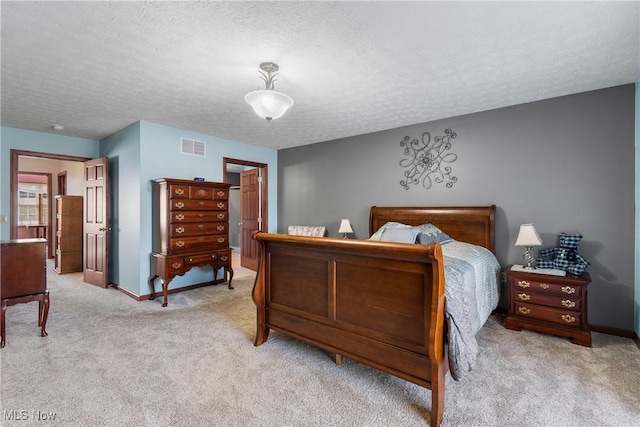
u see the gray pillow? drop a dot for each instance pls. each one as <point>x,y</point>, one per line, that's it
<point>429,233</point>
<point>400,235</point>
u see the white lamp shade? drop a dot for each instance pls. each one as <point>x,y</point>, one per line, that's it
<point>345,227</point>
<point>268,104</point>
<point>528,236</point>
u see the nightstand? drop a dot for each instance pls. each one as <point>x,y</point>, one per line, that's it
<point>550,304</point>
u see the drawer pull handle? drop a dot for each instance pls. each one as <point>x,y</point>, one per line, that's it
<point>221,205</point>
<point>213,256</point>
<point>200,226</point>
<point>544,286</point>
<point>220,216</point>
<point>220,239</point>
<point>524,297</point>
<point>180,230</point>
<point>224,258</point>
<point>179,205</point>
<point>179,243</point>
<point>190,259</point>
<point>568,290</point>
<point>176,265</point>
<point>201,203</point>
<point>201,215</point>
<point>523,284</point>
<point>180,217</point>
<point>568,319</point>
<point>179,191</point>
<point>220,227</point>
<point>221,193</point>
<point>568,303</point>
<point>524,310</point>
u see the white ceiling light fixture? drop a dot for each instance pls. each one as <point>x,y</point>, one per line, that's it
<point>268,103</point>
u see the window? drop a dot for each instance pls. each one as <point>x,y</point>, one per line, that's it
<point>32,205</point>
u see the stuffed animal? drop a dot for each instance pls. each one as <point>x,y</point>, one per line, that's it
<point>566,257</point>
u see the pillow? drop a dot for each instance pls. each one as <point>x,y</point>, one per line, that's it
<point>388,225</point>
<point>429,233</point>
<point>400,235</point>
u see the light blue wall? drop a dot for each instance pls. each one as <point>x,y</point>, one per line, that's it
<point>125,259</point>
<point>161,158</point>
<point>637,258</point>
<point>25,140</point>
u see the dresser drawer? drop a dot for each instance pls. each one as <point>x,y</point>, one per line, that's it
<point>198,216</point>
<point>189,229</point>
<point>185,244</point>
<point>177,191</point>
<point>196,192</point>
<point>556,287</point>
<point>217,259</point>
<point>194,205</point>
<point>192,260</point>
<point>220,194</point>
<point>556,301</point>
<point>548,314</point>
<point>224,258</point>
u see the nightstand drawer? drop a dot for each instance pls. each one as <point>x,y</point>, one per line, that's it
<point>547,314</point>
<point>558,288</point>
<point>556,301</point>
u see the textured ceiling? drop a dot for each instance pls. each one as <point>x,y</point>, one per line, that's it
<point>351,67</point>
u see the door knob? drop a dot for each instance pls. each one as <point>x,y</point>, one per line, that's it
<point>104,228</point>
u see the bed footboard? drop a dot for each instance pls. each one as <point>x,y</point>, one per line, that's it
<point>378,303</point>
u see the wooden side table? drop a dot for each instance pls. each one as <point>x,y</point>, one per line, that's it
<point>550,304</point>
<point>23,278</point>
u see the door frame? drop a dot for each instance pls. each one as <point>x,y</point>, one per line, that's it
<point>264,185</point>
<point>13,183</point>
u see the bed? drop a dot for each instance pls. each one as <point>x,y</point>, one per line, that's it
<point>377,302</point>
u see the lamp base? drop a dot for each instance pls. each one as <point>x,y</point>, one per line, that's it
<point>529,259</point>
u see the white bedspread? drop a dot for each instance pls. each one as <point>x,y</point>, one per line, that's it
<point>472,293</point>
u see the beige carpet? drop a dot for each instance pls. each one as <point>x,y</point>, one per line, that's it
<point>112,361</point>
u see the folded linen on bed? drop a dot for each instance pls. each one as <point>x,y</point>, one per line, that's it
<point>471,294</point>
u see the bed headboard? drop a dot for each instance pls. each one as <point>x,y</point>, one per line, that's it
<point>471,224</point>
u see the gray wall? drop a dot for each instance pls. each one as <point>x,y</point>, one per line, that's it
<point>566,164</point>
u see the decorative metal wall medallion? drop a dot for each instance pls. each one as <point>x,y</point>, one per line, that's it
<point>428,161</point>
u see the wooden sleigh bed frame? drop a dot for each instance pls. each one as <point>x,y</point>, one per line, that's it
<point>379,303</point>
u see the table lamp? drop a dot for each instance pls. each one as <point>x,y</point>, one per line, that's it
<point>528,237</point>
<point>345,227</point>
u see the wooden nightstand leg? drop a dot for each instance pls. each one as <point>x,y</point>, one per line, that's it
<point>582,339</point>
<point>3,332</point>
<point>45,314</point>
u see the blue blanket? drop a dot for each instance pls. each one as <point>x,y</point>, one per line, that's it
<point>471,290</point>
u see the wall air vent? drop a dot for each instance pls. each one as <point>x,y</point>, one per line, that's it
<point>193,147</point>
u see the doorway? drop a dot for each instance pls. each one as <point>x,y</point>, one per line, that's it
<point>249,188</point>
<point>36,163</point>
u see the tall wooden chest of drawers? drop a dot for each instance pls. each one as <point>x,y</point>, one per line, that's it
<point>69,222</point>
<point>190,229</point>
<point>551,304</point>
